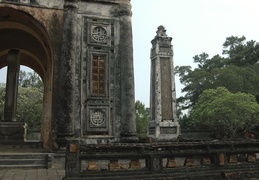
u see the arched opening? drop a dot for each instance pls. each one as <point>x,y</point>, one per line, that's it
<point>29,101</point>
<point>19,31</point>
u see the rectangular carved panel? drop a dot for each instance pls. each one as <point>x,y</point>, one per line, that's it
<point>153,86</point>
<point>98,75</point>
<point>97,120</point>
<point>166,92</point>
<point>168,130</point>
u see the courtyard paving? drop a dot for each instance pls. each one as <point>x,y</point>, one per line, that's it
<point>32,174</point>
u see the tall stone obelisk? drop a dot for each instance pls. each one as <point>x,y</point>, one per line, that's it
<point>163,123</point>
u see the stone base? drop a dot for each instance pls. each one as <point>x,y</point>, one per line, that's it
<point>164,131</point>
<point>12,131</point>
<point>129,139</point>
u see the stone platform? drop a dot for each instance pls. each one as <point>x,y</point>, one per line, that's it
<point>12,131</point>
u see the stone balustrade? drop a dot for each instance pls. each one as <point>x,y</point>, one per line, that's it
<point>176,160</point>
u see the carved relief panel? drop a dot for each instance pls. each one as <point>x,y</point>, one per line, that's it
<point>98,77</point>
<point>99,74</point>
<point>100,34</point>
<point>98,120</point>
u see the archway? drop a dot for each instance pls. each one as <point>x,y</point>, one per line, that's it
<point>20,31</point>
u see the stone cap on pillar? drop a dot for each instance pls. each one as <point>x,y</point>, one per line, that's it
<point>161,37</point>
<point>161,31</point>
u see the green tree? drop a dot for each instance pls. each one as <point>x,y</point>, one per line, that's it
<point>238,71</point>
<point>29,107</point>
<point>30,79</point>
<point>240,52</point>
<point>29,101</point>
<point>2,103</point>
<point>141,118</point>
<point>226,113</point>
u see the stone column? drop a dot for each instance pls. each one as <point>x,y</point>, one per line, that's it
<point>163,125</point>
<point>67,73</point>
<point>11,129</point>
<point>128,121</point>
<point>13,61</point>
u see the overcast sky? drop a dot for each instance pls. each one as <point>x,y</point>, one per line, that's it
<point>196,26</point>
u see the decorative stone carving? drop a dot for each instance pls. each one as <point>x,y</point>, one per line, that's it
<point>98,78</point>
<point>99,34</point>
<point>97,118</point>
<point>98,74</point>
<point>168,130</point>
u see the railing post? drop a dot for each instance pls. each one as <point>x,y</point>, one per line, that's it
<point>72,163</point>
<point>155,163</point>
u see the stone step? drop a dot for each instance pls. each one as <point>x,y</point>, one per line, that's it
<point>22,160</point>
<point>27,166</point>
<point>23,156</point>
<point>21,144</point>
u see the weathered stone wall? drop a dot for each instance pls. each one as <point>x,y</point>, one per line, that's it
<point>51,4</point>
<point>44,24</point>
<point>117,99</point>
<point>75,103</point>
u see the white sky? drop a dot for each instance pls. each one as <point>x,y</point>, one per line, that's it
<point>196,26</point>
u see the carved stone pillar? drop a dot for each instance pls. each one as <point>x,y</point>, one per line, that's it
<point>163,125</point>
<point>128,122</point>
<point>13,61</point>
<point>67,72</point>
<point>11,129</point>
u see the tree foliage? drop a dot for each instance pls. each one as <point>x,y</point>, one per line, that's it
<point>228,114</point>
<point>2,103</point>
<point>141,118</point>
<point>29,101</point>
<point>30,79</point>
<point>29,107</point>
<point>237,70</point>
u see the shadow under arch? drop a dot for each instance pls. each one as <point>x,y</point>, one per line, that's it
<point>19,30</point>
